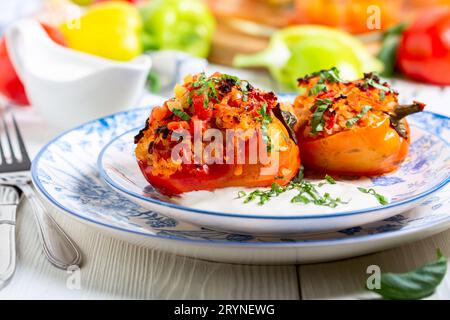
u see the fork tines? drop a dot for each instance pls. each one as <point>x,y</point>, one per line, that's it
<point>13,154</point>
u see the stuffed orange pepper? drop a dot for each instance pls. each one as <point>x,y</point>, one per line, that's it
<point>216,132</point>
<point>351,128</point>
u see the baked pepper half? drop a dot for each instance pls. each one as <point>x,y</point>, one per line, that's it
<point>185,144</point>
<point>351,128</point>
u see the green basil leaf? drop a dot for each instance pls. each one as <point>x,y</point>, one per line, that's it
<point>416,284</point>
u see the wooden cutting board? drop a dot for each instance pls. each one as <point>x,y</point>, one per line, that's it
<point>245,26</point>
<point>234,36</point>
<point>228,42</point>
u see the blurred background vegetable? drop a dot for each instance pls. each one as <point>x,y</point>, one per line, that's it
<point>184,25</point>
<point>348,15</point>
<point>297,51</point>
<point>83,2</point>
<point>10,84</point>
<point>421,49</point>
<point>290,38</point>
<point>389,49</point>
<point>89,2</point>
<point>109,29</point>
<point>424,49</point>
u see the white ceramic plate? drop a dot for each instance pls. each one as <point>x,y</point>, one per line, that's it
<point>65,174</point>
<point>425,171</point>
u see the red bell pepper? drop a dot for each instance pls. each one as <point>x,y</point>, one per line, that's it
<point>424,49</point>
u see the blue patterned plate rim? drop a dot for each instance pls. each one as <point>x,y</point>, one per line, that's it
<point>311,243</point>
<point>111,182</point>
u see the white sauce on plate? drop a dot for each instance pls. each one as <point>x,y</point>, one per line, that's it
<point>226,200</point>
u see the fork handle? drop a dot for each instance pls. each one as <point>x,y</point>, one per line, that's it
<point>59,249</point>
<point>7,252</point>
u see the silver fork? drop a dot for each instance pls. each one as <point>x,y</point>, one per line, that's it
<point>59,249</point>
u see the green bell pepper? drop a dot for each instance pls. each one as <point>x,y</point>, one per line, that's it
<point>300,50</point>
<point>185,25</point>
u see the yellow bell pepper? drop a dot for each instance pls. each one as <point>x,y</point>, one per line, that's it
<point>109,29</point>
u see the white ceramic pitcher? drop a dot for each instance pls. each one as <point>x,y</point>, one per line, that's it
<point>69,87</point>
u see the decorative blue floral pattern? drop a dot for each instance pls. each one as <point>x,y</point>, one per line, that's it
<point>386,181</point>
<point>65,171</point>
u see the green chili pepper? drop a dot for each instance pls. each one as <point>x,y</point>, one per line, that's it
<point>185,25</point>
<point>300,50</point>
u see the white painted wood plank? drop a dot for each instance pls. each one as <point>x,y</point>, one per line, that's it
<point>346,279</point>
<point>113,269</point>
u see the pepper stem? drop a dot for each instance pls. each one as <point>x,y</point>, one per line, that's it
<point>400,112</point>
<point>403,110</point>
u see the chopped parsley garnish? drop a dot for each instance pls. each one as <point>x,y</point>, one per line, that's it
<point>372,80</point>
<point>264,195</point>
<point>300,198</point>
<point>317,88</point>
<point>207,87</point>
<point>373,83</point>
<point>212,91</point>
<point>307,193</point>
<point>381,199</point>
<point>328,179</point>
<point>228,76</point>
<point>244,89</point>
<point>243,85</point>
<point>265,120</point>
<point>317,122</point>
<point>199,81</point>
<point>265,117</point>
<point>181,114</point>
<point>331,76</point>
<point>300,175</point>
<point>241,194</point>
<point>351,122</point>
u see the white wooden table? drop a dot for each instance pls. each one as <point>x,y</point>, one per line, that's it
<point>113,269</point>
